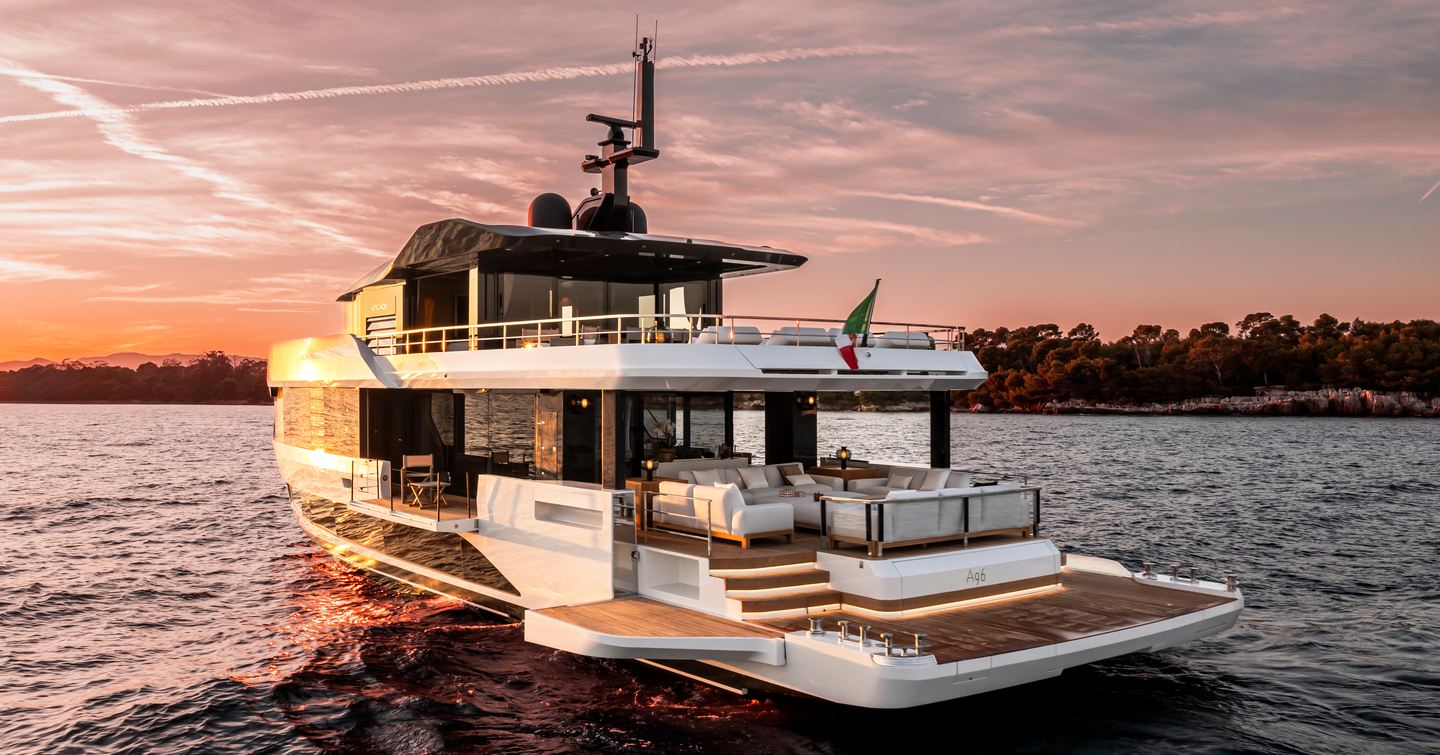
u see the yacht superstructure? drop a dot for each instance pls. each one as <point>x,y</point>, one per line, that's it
<point>539,420</point>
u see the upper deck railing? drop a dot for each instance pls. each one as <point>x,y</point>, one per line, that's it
<point>659,328</point>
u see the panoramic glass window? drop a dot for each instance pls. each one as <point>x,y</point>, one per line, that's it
<point>442,414</point>
<point>525,297</point>
<point>499,420</point>
<point>674,426</point>
<point>688,298</point>
<point>579,298</point>
<point>632,298</point>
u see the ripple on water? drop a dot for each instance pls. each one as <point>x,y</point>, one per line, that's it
<point>167,602</point>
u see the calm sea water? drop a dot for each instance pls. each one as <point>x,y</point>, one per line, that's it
<point>155,596</point>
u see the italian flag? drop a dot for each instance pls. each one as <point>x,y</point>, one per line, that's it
<point>855,326</point>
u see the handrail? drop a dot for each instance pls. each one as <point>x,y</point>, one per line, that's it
<point>875,525</point>
<point>709,521</point>
<point>649,327</point>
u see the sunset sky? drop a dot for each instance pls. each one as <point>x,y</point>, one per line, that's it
<point>179,176</point>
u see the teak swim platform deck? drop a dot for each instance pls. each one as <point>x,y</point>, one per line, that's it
<point>642,617</point>
<point>1083,605</point>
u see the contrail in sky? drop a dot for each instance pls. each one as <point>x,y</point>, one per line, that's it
<point>120,131</point>
<point>560,73</point>
<point>21,73</point>
<point>1431,191</point>
<point>966,204</point>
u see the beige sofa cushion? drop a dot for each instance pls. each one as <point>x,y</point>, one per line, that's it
<point>754,478</point>
<point>707,477</point>
<point>899,480</point>
<point>934,479</point>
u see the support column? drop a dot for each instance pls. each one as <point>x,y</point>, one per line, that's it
<point>940,429</point>
<point>612,440</point>
<point>791,429</point>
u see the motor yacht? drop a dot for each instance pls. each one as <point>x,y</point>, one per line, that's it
<point>539,420</point>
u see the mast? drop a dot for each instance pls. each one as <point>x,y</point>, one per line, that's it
<point>609,208</point>
<point>612,209</point>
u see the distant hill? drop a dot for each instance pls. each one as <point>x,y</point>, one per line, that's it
<point>127,359</point>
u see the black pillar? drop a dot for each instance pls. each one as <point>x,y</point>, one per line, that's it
<point>791,429</point>
<point>940,429</point>
<point>730,420</point>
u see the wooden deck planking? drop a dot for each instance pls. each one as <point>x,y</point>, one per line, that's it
<point>729,555</point>
<point>763,553</point>
<point>642,617</point>
<point>1087,604</point>
<point>452,507</point>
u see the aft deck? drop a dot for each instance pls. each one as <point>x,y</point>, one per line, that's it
<point>1084,604</point>
<point>642,617</point>
<point>448,513</point>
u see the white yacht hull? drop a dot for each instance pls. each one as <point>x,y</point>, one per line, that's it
<point>820,666</point>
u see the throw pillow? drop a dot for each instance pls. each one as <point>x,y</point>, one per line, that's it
<point>935,479</point>
<point>707,477</point>
<point>788,469</point>
<point>800,479</point>
<point>896,480</point>
<point>754,478</point>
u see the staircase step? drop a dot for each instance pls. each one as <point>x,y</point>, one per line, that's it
<point>782,579</point>
<point>765,561</point>
<point>796,602</point>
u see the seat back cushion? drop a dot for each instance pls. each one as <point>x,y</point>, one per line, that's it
<point>934,479</point>
<point>707,477</point>
<point>730,475</point>
<point>675,488</point>
<point>773,477</point>
<point>899,480</point>
<point>754,478</point>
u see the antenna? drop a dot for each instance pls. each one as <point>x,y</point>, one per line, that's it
<point>617,154</point>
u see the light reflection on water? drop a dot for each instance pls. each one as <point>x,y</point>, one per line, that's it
<point>161,598</point>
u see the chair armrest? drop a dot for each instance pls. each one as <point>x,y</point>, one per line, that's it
<point>868,483</point>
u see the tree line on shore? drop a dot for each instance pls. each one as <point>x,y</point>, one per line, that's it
<point>1037,365</point>
<point>213,378</point>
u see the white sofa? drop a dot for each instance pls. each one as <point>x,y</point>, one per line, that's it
<point>712,471</point>
<point>947,479</point>
<point>916,516</point>
<point>684,505</point>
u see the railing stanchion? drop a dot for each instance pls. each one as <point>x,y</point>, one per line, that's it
<point>869,538</point>
<point>965,521</point>
<point>880,527</point>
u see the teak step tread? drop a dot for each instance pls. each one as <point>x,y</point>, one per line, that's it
<point>798,601</point>
<point>783,579</point>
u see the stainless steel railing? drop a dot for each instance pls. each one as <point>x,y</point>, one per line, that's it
<point>707,524</point>
<point>874,513</point>
<point>636,328</point>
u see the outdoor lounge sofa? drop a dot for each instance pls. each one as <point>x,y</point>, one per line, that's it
<point>686,506</point>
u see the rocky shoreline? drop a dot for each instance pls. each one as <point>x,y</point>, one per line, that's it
<point>1329,402</point>
<point>1334,402</point>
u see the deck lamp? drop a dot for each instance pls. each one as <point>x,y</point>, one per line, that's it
<point>843,455</point>
<point>649,465</point>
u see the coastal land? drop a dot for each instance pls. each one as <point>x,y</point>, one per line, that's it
<point>1266,366</point>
